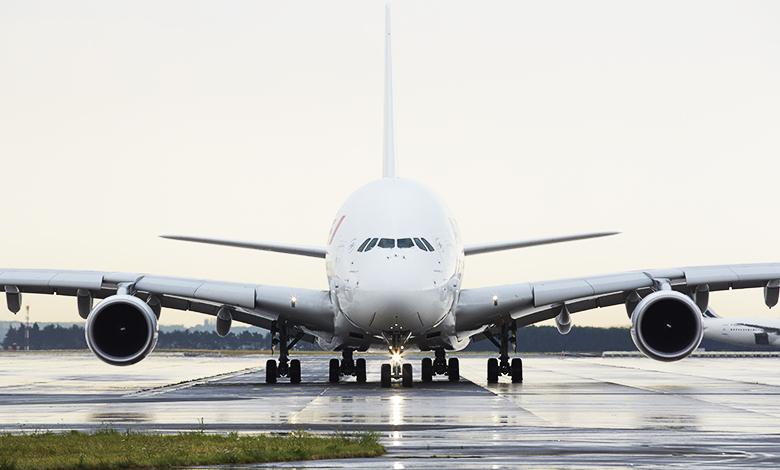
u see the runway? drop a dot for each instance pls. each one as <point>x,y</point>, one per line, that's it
<point>570,412</point>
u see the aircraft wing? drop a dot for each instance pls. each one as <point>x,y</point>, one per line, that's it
<point>313,251</point>
<point>257,305</point>
<point>534,302</point>
<point>511,245</point>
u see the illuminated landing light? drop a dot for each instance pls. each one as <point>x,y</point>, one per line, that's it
<point>396,358</point>
<point>293,301</point>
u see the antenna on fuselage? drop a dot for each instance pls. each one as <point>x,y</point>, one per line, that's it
<point>388,158</point>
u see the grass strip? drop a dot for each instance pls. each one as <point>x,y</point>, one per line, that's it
<point>120,450</point>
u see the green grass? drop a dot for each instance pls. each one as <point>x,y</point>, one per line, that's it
<point>117,450</point>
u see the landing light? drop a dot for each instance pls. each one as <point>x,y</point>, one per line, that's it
<point>396,357</point>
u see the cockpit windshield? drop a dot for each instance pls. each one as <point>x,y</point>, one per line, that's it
<point>370,243</point>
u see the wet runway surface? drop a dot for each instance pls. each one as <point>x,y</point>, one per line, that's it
<point>570,412</point>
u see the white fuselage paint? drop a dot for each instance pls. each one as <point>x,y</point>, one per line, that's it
<point>386,290</point>
<point>748,332</point>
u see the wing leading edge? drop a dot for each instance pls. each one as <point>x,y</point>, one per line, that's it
<point>313,251</point>
<point>534,302</point>
<point>510,245</point>
<point>257,305</point>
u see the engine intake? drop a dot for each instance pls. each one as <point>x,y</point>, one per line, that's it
<point>666,326</point>
<point>121,330</point>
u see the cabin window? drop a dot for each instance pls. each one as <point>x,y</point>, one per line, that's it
<point>387,243</point>
<point>405,243</point>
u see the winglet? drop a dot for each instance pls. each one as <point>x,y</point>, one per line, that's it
<point>388,158</point>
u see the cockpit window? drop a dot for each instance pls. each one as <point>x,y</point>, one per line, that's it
<point>386,243</point>
<point>405,243</point>
<point>371,244</point>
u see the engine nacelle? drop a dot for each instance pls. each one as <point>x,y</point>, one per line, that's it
<point>666,326</point>
<point>121,330</point>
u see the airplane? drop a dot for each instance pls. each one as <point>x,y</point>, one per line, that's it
<point>750,332</point>
<point>394,261</point>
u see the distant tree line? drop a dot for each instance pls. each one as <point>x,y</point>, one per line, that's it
<point>538,339</point>
<point>58,337</point>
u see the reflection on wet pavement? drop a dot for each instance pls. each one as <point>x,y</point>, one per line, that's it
<point>708,411</point>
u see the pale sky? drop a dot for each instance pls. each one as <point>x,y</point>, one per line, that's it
<point>254,120</point>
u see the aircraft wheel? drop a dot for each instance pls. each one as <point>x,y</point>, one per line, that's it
<point>427,370</point>
<point>360,370</point>
<point>270,371</point>
<point>295,371</point>
<point>453,369</point>
<point>406,375</point>
<point>334,371</point>
<point>517,370</point>
<point>492,370</point>
<point>385,373</point>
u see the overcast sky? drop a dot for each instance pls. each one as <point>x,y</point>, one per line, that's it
<point>254,120</point>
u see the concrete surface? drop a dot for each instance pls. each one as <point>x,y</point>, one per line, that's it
<point>570,412</point>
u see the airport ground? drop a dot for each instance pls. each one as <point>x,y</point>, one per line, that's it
<point>582,412</point>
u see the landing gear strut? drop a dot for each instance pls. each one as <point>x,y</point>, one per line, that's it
<point>440,366</point>
<point>396,369</point>
<point>347,366</point>
<point>502,365</point>
<point>286,367</point>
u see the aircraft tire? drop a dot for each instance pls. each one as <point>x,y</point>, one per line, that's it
<point>360,370</point>
<point>517,370</point>
<point>426,374</point>
<point>492,370</point>
<point>270,371</point>
<point>334,371</point>
<point>385,373</point>
<point>295,371</point>
<point>453,369</point>
<point>406,375</point>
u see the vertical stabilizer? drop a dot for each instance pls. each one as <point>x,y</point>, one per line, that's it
<point>388,158</point>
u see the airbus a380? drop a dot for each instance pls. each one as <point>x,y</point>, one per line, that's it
<point>394,261</point>
<point>749,332</point>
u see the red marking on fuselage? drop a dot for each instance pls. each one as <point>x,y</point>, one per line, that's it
<point>336,229</point>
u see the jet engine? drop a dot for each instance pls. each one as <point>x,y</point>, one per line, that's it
<point>121,330</point>
<point>666,326</point>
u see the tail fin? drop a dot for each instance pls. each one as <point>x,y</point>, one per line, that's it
<point>388,160</point>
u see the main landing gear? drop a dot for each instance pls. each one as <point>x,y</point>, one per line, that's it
<point>440,366</point>
<point>285,367</point>
<point>502,365</point>
<point>347,366</point>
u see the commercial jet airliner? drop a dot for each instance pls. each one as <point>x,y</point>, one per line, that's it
<point>394,261</point>
<point>749,332</point>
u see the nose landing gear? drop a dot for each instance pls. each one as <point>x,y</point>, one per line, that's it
<point>396,369</point>
<point>502,365</point>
